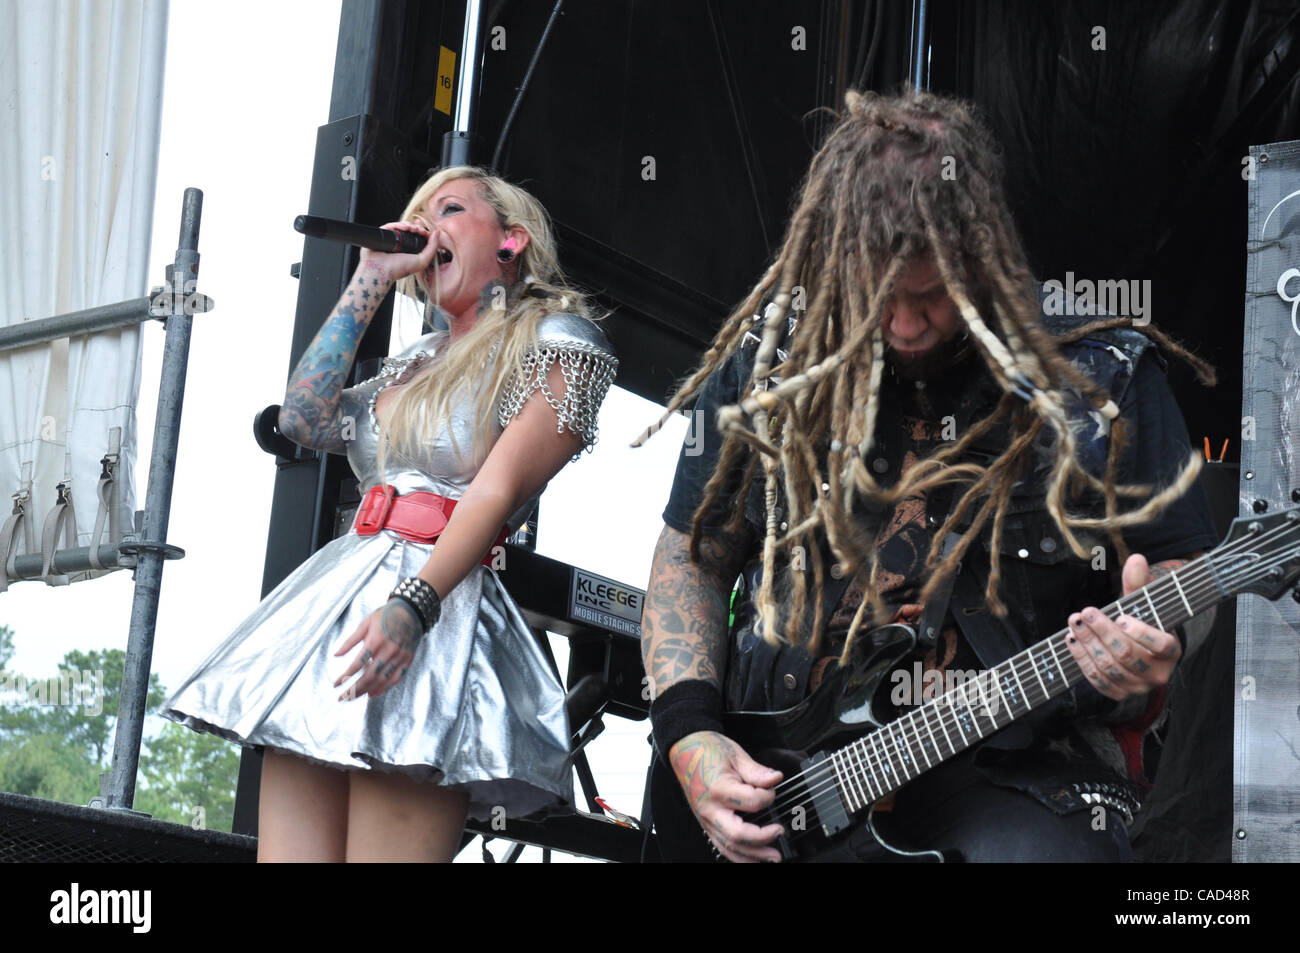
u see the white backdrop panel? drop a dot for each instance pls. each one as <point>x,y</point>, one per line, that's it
<point>81,82</point>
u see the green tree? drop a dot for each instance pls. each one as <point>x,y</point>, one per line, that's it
<point>17,720</point>
<point>35,757</point>
<point>91,726</point>
<point>6,647</point>
<point>189,778</point>
<point>44,766</point>
<point>56,739</point>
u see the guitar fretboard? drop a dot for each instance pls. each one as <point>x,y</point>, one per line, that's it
<point>883,761</point>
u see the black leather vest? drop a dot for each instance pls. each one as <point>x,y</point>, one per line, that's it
<point>1042,579</point>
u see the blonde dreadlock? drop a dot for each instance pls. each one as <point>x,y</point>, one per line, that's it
<point>898,178</point>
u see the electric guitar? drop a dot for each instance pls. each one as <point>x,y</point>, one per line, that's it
<point>841,751</point>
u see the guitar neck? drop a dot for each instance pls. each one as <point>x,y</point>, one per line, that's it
<point>883,761</point>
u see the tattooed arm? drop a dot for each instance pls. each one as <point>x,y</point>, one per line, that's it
<point>684,636</point>
<point>684,626</point>
<point>309,415</point>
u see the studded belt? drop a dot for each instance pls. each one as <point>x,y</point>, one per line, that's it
<point>1117,797</point>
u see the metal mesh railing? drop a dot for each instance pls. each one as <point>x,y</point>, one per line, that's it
<point>37,831</point>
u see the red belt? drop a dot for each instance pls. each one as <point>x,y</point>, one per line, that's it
<point>419,516</point>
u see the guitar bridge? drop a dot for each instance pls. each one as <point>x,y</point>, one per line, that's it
<point>826,799</point>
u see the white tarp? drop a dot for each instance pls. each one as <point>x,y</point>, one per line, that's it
<point>81,85</point>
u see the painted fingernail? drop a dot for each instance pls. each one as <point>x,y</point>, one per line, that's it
<point>1091,615</point>
<point>1124,623</point>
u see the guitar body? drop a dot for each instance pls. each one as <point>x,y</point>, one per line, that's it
<point>849,703</point>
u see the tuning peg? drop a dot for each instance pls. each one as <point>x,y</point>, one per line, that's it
<point>1295,593</point>
<point>1295,496</point>
<point>1259,506</point>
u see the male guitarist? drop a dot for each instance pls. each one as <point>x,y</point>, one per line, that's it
<point>909,435</point>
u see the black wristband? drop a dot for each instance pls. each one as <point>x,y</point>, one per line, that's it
<point>421,597</point>
<point>685,708</point>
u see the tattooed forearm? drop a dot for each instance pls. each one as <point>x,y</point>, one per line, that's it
<point>309,414</point>
<point>676,658</point>
<point>684,626</point>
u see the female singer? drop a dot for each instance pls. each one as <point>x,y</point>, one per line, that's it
<point>454,709</point>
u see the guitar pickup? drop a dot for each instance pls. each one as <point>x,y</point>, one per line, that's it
<point>825,797</point>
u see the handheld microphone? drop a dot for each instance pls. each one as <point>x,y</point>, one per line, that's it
<point>365,236</point>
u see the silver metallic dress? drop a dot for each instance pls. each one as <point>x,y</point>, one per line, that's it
<point>480,708</point>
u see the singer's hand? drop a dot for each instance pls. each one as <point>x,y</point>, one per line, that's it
<point>391,266</point>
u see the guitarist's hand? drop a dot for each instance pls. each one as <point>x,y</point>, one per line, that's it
<point>720,780</point>
<point>1125,657</point>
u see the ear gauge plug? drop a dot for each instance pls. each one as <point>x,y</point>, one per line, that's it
<point>506,253</point>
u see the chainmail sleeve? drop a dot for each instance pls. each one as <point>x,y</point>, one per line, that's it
<point>588,364</point>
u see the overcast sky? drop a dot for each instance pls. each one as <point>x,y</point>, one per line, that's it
<point>245,135</point>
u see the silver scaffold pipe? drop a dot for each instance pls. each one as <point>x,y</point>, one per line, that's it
<point>69,561</point>
<point>104,318</point>
<point>152,548</point>
<point>456,144</point>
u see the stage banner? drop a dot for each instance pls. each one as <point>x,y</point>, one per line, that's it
<point>1266,782</point>
<point>81,85</point>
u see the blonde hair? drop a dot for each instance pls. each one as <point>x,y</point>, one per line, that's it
<point>495,348</point>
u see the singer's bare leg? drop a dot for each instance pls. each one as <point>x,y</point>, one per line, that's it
<point>393,818</point>
<point>302,811</point>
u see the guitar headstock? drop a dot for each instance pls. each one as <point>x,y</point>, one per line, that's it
<point>1261,553</point>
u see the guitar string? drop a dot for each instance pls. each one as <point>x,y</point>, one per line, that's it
<point>963,708</point>
<point>1054,644</point>
<point>876,763</point>
<point>995,680</point>
<point>822,776</point>
<point>813,778</point>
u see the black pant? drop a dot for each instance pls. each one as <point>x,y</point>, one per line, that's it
<point>956,809</point>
